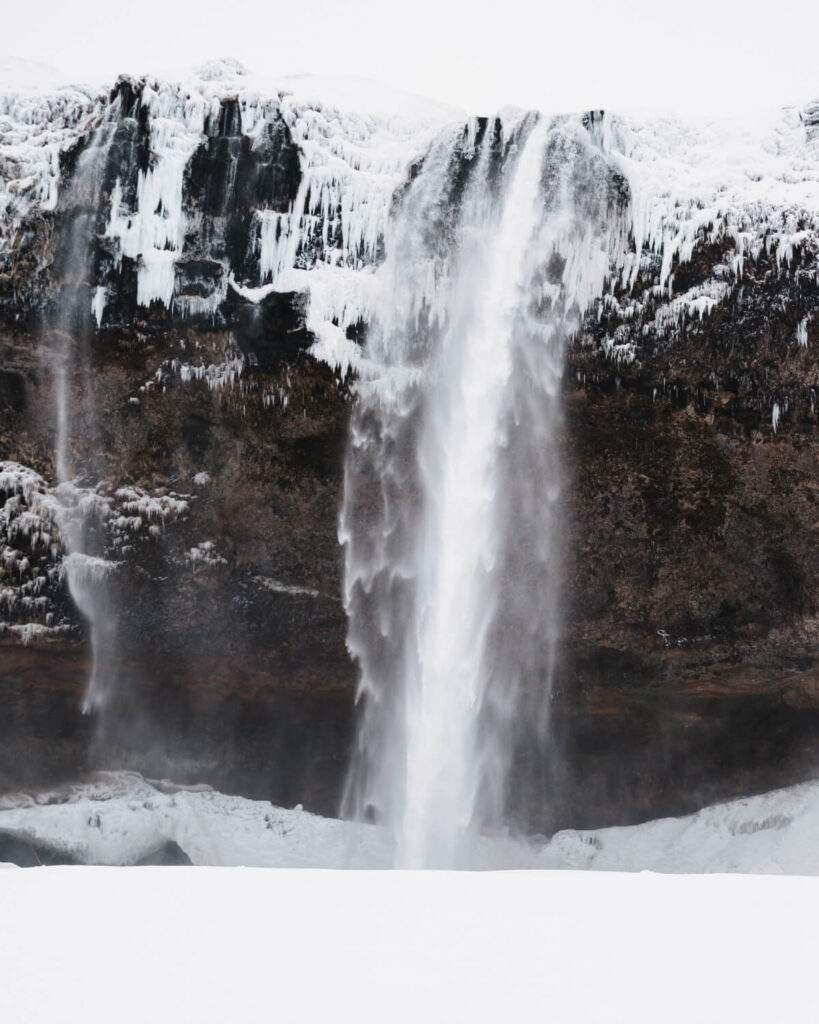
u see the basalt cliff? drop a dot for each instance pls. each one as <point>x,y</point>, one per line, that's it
<point>200,260</point>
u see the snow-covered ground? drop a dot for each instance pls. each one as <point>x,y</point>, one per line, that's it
<point>120,818</point>
<point>241,945</point>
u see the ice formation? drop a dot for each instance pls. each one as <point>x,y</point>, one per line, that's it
<point>40,531</point>
<point>205,556</point>
<point>749,183</point>
<point>278,587</point>
<point>35,128</point>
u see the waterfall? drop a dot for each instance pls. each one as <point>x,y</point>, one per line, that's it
<point>451,520</point>
<point>67,341</point>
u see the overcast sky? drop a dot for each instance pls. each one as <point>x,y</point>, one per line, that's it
<point>693,55</point>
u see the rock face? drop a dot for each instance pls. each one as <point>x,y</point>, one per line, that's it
<point>232,241</point>
<point>231,662</point>
<point>691,637</point>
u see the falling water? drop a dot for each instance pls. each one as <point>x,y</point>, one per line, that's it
<point>67,342</point>
<point>451,519</point>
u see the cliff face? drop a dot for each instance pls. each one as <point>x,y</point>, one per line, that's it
<point>231,239</point>
<point>209,448</point>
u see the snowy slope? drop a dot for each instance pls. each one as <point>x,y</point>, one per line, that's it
<point>119,818</point>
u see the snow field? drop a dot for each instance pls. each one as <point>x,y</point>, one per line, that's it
<point>235,945</point>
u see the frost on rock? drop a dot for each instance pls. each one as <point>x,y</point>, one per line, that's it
<point>36,127</point>
<point>41,543</point>
<point>86,569</point>
<point>747,185</point>
<point>353,145</point>
<point>277,587</point>
<point>153,232</point>
<point>217,376</point>
<point>30,548</point>
<point>137,503</point>
<point>350,165</point>
<point>35,632</point>
<point>205,556</point>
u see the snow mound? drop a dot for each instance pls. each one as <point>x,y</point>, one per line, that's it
<point>120,818</point>
<point>775,833</point>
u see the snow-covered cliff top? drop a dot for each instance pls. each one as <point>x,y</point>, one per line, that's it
<point>751,181</point>
<point>43,111</point>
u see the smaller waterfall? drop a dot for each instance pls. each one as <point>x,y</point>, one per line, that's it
<point>451,520</point>
<point>67,338</point>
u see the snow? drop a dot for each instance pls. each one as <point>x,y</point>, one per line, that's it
<point>48,521</point>
<point>206,555</point>
<point>120,817</point>
<point>368,98</point>
<point>244,945</point>
<point>37,123</point>
<point>609,942</point>
<point>751,181</point>
<point>133,817</point>
<point>354,152</point>
<point>775,833</point>
<point>154,232</point>
<point>277,587</point>
<point>35,632</point>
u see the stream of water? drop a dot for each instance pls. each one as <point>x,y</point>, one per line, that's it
<point>452,520</point>
<point>67,340</point>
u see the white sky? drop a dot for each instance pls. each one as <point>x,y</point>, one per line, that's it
<point>693,55</point>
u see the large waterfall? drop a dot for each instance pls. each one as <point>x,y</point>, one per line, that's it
<point>452,513</point>
<point>542,377</point>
